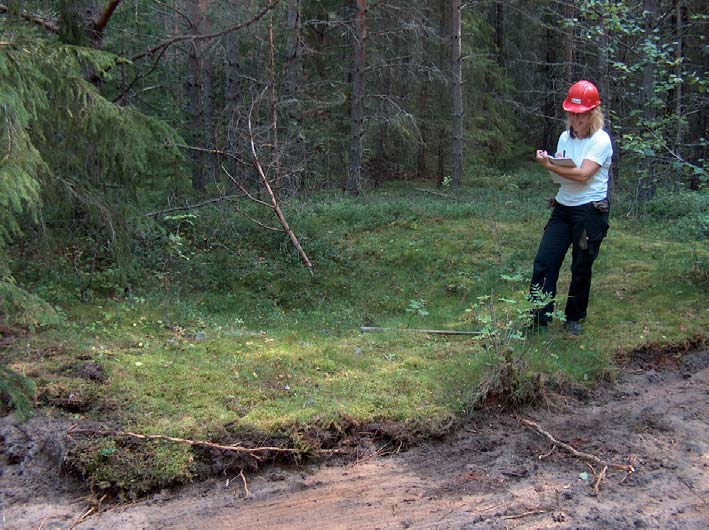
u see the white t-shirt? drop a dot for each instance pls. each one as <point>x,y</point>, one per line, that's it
<point>596,148</point>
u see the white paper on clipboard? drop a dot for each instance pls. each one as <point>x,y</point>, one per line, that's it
<point>562,162</point>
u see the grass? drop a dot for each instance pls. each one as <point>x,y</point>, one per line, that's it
<point>241,339</point>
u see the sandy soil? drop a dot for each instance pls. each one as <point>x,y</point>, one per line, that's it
<point>491,474</point>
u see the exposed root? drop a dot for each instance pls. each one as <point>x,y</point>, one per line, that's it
<point>246,486</point>
<point>578,454</point>
<point>253,451</point>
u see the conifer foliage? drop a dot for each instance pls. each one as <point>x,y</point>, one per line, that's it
<point>21,164</point>
<point>65,145</point>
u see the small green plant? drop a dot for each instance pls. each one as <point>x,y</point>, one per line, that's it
<point>504,323</point>
<point>417,308</point>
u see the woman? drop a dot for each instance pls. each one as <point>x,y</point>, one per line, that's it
<point>580,209</point>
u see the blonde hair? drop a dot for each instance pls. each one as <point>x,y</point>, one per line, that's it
<point>597,121</point>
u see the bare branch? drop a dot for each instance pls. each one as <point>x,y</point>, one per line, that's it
<point>36,19</point>
<point>182,38</point>
<point>274,202</point>
<point>243,189</point>
<point>191,206</point>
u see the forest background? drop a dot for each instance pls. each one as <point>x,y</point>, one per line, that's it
<point>184,184</point>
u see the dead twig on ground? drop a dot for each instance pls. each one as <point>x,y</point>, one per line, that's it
<point>251,451</point>
<point>578,454</point>
<point>487,509</point>
<point>480,510</point>
<point>82,517</point>
<point>548,453</point>
<point>525,514</point>
<point>599,478</point>
<point>41,525</point>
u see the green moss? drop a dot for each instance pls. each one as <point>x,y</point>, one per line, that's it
<point>130,468</point>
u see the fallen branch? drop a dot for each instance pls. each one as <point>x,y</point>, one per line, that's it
<point>253,452</point>
<point>274,202</point>
<point>686,483</point>
<point>369,329</point>
<point>438,194</point>
<point>578,454</point>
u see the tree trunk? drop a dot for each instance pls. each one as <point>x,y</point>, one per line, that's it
<point>569,12</point>
<point>275,149</point>
<point>456,94</point>
<point>604,87</point>
<point>550,96</point>
<point>210,161</point>
<point>443,37</point>
<point>294,67</point>
<point>195,95</point>
<point>233,99</point>
<point>194,98</point>
<point>422,155</point>
<point>354,178</point>
<point>383,119</point>
<point>498,23</point>
<point>646,183</point>
<point>679,56</point>
<point>293,150</point>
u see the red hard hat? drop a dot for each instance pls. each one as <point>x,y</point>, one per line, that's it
<point>582,97</point>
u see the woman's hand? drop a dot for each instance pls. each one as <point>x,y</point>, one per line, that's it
<point>542,157</point>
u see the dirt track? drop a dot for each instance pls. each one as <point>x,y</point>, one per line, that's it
<point>488,475</point>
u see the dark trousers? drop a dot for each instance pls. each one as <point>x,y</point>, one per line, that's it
<point>583,228</point>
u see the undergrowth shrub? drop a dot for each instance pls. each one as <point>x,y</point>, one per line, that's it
<point>505,324</point>
<point>677,205</point>
<point>687,210</point>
